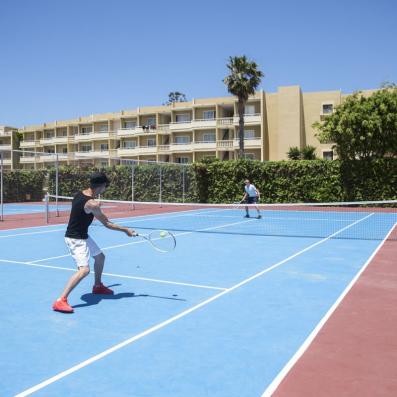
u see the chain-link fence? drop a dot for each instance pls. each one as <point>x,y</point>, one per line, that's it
<point>23,189</point>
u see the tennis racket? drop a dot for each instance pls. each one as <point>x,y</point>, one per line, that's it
<point>160,240</point>
<point>239,204</point>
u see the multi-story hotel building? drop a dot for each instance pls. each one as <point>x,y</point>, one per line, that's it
<point>8,144</point>
<point>185,132</point>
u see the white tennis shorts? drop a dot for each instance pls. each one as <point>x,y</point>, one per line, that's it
<point>81,250</point>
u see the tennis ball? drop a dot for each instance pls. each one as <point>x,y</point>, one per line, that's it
<point>163,233</point>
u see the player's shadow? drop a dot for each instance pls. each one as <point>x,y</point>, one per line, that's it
<point>94,299</point>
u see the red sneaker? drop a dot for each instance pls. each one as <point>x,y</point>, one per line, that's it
<point>101,290</point>
<point>62,305</point>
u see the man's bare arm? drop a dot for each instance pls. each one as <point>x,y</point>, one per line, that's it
<point>94,208</point>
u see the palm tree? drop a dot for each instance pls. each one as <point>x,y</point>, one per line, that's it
<point>242,82</point>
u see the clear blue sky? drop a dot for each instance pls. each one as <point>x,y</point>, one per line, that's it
<point>69,58</point>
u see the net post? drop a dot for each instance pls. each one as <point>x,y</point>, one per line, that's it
<point>46,207</point>
<point>56,184</point>
<point>1,188</point>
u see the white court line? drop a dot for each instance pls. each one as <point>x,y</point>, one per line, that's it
<point>119,275</point>
<point>174,318</point>
<point>144,241</point>
<point>26,234</point>
<point>283,373</point>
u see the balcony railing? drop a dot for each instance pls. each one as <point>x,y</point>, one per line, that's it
<point>143,130</point>
<point>94,136</point>
<point>5,147</point>
<point>29,143</point>
<point>249,119</point>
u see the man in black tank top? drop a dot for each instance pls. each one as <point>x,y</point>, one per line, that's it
<point>81,245</point>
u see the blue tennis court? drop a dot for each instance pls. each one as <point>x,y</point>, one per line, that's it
<point>15,209</point>
<point>222,315</point>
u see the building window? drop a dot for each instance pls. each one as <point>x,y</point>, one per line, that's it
<point>129,144</point>
<point>86,130</point>
<point>130,125</point>
<point>182,139</point>
<point>104,147</point>
<point>104,164</point>
<point>328,155</point>
<point>328,108</point>
<point>64,150</point>
<point>249,134</point>
<point>249,109</point>
<point>208,114</point>
<point>151,142</point>
<point>209,137</point>
<point>85,148</point>
<point>151,121</point>
<point>103,128</point>
<point>182,160</point>
<point>182,118</point>
<point>249,156</point>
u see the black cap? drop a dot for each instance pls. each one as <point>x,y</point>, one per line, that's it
<point>99,178</point>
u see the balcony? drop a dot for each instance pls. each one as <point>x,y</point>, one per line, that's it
<point>231,144</point>
<point>127,151</point>
<point>61,140</point>
<point>128,132</point>
<point>93,136</point>
<point>249,119</point>
<point>147,149</point>
<point>29,144</point>
<point>27,159</point>
<point>224,122</point>
<point>203,123</point>
<point>164,148</point>
<point>204,145</point>
<point>5,147</point>
<point>47,141</point>
<point>92,154</point>
<point>181,125</point>
<point>181,147</point>
<point>7,161</point>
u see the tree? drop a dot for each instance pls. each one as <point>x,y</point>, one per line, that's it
<point>175,96</point>
<point>294,153</point>
<point>243,80</point>
<point>363,127</point>
<point>308,153</point>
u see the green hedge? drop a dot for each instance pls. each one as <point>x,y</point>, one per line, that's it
<point>21,185</point>
<point>299,181</point>
<point>222,181</point>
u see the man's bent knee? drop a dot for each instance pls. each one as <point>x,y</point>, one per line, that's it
<point>84,270</point>
<point>100,257</point>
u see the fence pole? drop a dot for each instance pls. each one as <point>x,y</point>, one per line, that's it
<point>161,186</point>
<point>56,183</point>
<point>1,188</point>
<point>133,185</point>
<point>183,184</point>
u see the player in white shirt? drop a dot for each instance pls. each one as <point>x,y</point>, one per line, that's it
<point>251,196</point>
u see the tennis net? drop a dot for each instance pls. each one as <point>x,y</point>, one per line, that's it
<point>370,220</point>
